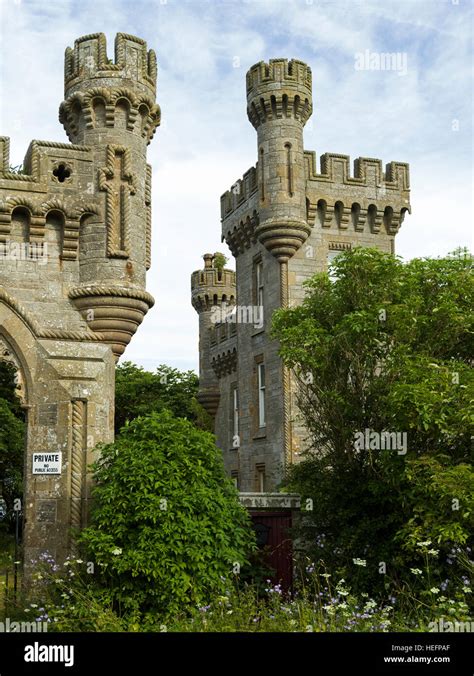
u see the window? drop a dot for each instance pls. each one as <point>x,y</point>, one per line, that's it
<point>235,411</point>
<point>234,475</point>
<point>260,478</point>
<point>259,283</point>
<point>261,395</point>
<point>332,255</point>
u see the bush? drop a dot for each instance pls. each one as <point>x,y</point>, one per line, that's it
<point>167,529</point>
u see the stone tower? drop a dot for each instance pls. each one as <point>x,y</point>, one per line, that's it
<point>75,241</point>
<point>283,221</point>
<point>211,288</point>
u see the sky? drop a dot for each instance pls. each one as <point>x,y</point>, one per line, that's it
<point>421,114</point>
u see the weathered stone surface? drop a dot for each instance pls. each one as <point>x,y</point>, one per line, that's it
<point>292,218</point>
<point>75,240</point>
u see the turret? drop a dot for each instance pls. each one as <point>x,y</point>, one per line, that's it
<point>279,103</point>
<point>110,107</point>
<point>211,288</point>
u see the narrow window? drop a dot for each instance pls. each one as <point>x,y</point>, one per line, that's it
<point>235,400</point>
<point>260,478</point>
<point>234,475</point>
<point>259,283</point>
<point>262,176</point>
<point>289,169</point>
<point>261,395</point>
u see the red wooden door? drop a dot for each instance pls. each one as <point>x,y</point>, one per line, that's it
<point>272,530</point>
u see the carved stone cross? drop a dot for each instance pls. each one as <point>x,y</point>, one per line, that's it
<point>118,182</point>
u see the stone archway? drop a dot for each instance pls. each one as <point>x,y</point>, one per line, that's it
<point>7,355</point>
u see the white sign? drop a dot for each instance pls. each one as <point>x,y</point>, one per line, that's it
<point>47,463</point>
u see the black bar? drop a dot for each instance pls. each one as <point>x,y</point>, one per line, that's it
<point>317,653</point>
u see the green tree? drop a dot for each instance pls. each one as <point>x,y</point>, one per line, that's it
<point>382,346</point>
<point>219,261</point>
<point>167,530</point>
<point>12,431</point>
<point>139,392</point>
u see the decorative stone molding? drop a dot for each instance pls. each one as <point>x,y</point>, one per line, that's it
<point>225,363</point>
<point>115,312</point>
<point>283,239</point>
<point>118,181</point>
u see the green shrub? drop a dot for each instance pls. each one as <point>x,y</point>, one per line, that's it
<point>167,530</point>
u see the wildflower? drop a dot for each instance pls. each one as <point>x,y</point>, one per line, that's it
<point>79,561</point>
<point>326,575</point>
<point>467,590</point>
<point>117,551</point>
<point>359,562</point>
<point>423,544</point>
<point>434,590</point>
<point>433,552</point>
<point>416,571</point>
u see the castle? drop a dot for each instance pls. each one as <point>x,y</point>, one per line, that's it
<point>283,222</point>
<point>75,243</point>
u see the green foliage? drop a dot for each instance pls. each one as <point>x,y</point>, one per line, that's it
<point>383,346</point>
<point>12,431</point>
<point>442,495</point>
<point>167,527</point>
<point>219,261</point>
<point>67,598</point>
<point>139,392</point>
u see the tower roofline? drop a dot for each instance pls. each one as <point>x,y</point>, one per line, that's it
<point>88,60</point>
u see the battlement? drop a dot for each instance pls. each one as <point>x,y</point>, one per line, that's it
<point>368,171</point>
<point>239,192</point>
<point>88,60</point>
<point>279,74</point>
<point>279,90</point>
<point>99,93</point>
<point>212,286</point>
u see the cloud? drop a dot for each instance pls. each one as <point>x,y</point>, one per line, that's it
<point>206,142</point>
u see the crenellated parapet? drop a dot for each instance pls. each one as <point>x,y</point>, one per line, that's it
<point>212,287</point>
<point>239,193</point>
<point>365,200</point>
<point>280,89</point>
<point>100,93</point>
